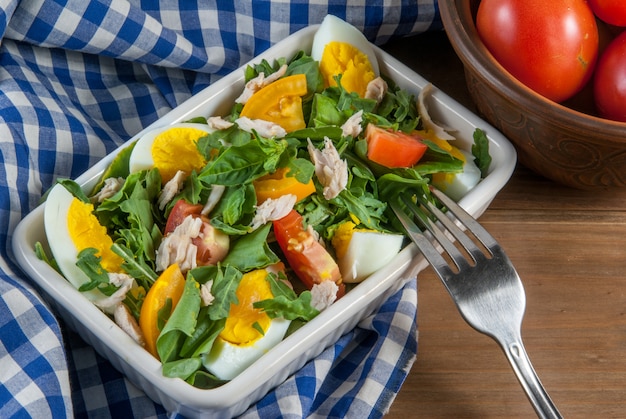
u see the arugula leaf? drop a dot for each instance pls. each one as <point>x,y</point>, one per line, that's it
<point>225,283</point>
<point>205,333</point>
<point>182,368</point>
<point>135,267</point>
<point>205,380</point>
<point>131,214</point>
<point>251,251</point>
<point>41,254</point>
<point>89,263</point>
<point>480,150</point>
<point>286,303</point>
<point>181,323</point>
<point>74,189</point>
<point>237,165</point>
<point>117,168</point>
<point>235,210</point>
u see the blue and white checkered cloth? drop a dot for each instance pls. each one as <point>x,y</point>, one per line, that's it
<point>80,77</point>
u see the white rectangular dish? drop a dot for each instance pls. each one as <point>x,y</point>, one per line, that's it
<point>290,355</point>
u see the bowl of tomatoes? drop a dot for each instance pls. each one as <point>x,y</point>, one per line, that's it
<point>565,117</point>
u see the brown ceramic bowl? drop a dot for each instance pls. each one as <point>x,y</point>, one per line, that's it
<point>562,144</point>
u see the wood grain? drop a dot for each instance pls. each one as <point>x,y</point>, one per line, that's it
<point>569,249</point>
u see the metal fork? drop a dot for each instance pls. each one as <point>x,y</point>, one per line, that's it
<point>485,287</point>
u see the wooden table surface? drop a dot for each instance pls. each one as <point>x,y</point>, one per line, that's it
<point>569,247</point>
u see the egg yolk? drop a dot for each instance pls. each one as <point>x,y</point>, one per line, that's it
<point>354,66</point>
<point>87,232</point>
<point>175,149</point>
<point>240,325</point>
<point>343,235</point>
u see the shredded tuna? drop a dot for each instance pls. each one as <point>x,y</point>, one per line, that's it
<point>273,209</point>
<point>177,246</point>
<point>352,127</point>
<point>124,282</point>
<point>376,89</point>
<point>218,123</point>
<point>111,186</point>
<point>214,197</point>
<point>428,123</point>
<point>263,128</point>
<point>331,171</point>
<point>323,294</point>
<point>260,82</point>
<point>205,293</point>
<point>171,189</point>
<point>125,320</point>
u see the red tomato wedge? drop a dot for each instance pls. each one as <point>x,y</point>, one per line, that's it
<point>310,261</point>
<point>393,148</point>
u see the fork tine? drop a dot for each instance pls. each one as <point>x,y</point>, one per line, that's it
<point>438,234</point>
<point>474,251</point>
<point>424,245</point>
<point>467,220</point>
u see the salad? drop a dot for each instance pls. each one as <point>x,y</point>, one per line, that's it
<point>211,240</point>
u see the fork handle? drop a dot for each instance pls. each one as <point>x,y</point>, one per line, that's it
<point>517,356</point>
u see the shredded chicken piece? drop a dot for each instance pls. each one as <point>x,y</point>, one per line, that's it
<point>111,186</point>
<point>323,294</point>
<point>260,82</point>
<point>331,171</point>
<point>177,246</point>
<point>376,89</point>
<point>273,209</point>
<point>352,127</point>
<point>125,320</point>
<point>264,128</point>
<point>218,123</point>
<point>214,197</point>
<point>171,189</point>
<point>428,123</point>
<point>124,282</point>
<point>205,293</point>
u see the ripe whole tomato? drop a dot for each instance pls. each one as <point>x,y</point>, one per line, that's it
<point>609,83</point>
<point>550,46</point>
<point>612,12</point>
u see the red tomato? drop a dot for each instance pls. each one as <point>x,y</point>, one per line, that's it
<point>612,12</point>
<point>610,81</point>
<point>310,261</point>
<point>212,244</point>
<point>393,148</point>
<point>549,45</point>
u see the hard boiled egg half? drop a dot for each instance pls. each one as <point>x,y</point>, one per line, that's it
<point>170,149</point>
<point>340,48</point>
<point>457,185</point>
<point>72,227</point>
<point>248,332</point>
<point>362,252</point>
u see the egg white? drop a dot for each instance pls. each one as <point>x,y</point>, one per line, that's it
<point>59,239</point>
<point>335,29</point>
<point>367,252</point>
<point>226,360</point>
<point>141,156</point>
<point>461,183</point>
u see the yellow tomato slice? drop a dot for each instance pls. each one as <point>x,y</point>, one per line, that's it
<point>278,184</point>
<point>279,102</point>
<point>169,285</point>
